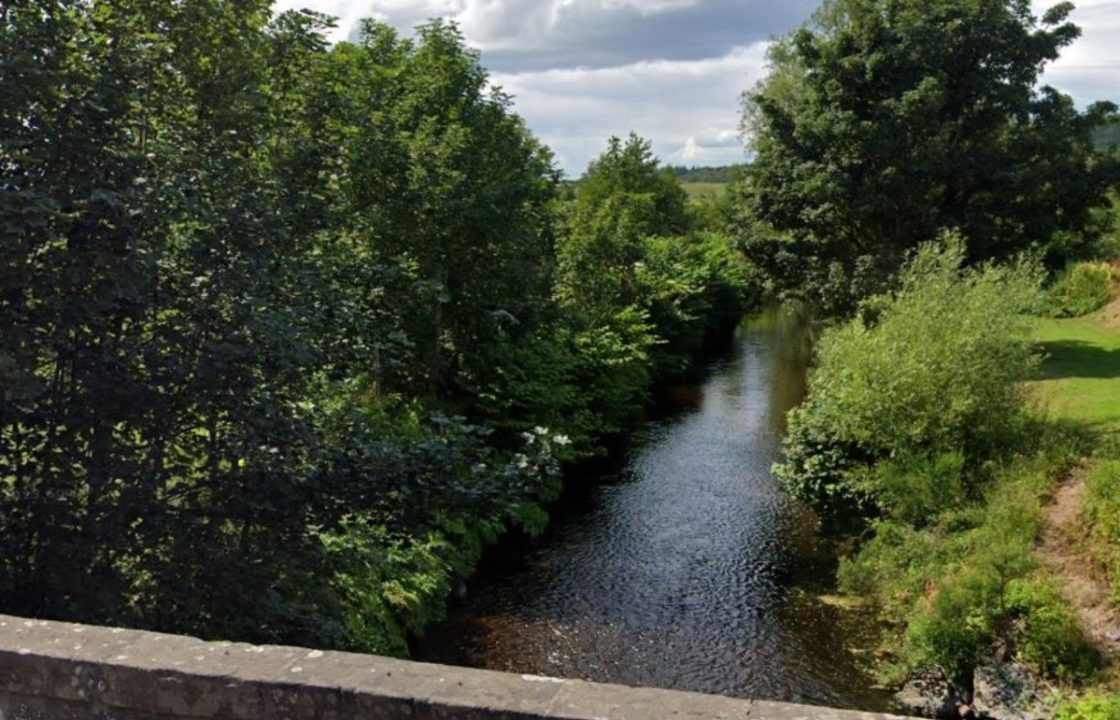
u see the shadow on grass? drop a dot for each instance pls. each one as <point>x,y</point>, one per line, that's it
<point>1078,359</point>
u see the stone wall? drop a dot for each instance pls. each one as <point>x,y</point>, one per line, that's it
<point>60,671</point>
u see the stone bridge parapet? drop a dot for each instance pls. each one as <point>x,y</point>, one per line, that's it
<point>62,671</point>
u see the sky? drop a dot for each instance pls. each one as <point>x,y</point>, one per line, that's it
<point>673,71</point>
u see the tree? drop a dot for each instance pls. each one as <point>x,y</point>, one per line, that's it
<point>630,168</point>
<point>248,286</point>
<point>624,199</point>
<point>883,122</point>
<point>441,173</point>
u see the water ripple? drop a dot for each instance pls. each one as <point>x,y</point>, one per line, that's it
<point>682,573</point>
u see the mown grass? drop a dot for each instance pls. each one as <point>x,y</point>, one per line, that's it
<point>1080,376</point>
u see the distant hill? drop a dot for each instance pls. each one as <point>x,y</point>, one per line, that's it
<point>1107,136</point>
<point>722,174</point>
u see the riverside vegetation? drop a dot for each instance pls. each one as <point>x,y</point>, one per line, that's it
<point>292,332</point>
<point>945,408</point>
<point>922,439</point>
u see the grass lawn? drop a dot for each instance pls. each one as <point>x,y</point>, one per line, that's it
<point>1080,377</point>
<point>704,190</point>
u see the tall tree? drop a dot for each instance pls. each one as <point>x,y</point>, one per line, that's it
<point>630,168</point>
<point>441,173</point>
<point>883,122</point>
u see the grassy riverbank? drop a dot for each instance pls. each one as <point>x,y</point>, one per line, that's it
<point>943,433</point>
<point>1079,545</point>
<point>1081,372</point>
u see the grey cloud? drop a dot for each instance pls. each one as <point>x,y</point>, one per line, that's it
<point>1089,70</point>
<point>522,35</point>
<point>672,70</point>
<point>690,109</point>
<point>588,34</point>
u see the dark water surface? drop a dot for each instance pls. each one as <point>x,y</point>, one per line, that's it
<point>687,569</point>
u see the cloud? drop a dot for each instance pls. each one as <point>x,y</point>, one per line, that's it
<point>688,108</point>
<point>671,70</point>
<point>518,35</point>
<point>1089,70</point>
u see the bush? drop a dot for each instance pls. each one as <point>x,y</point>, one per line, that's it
<point>956,625</point>
<point>1049,637</point>
<point>1082,289</point>
<point>914,489</point>
<point>1102,505</point>
<point>931,370</point>
<point>695,289</point>
<point>954,586</point>
<point>1099,708</point>
<point>584,383</point>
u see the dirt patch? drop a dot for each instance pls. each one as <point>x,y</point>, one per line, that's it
<point>1065,547</point>
<point>1110,315</point>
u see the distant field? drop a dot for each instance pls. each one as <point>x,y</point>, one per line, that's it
<point>704,190</point>
<point>1081,374</point>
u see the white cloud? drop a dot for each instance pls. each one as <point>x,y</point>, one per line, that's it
<point>671,70</point>
<point>689,109</point>
<point>514,24</point>
<point>1089,70</point>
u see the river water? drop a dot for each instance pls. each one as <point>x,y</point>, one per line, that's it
<point>687,567</point>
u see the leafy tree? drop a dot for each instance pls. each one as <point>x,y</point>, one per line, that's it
<point>191,337</point>
<point>1107,136</point>
<point>884,122</point>
<point>250,289</point>
<point>630,168</point>
<point>625,198</point>
<point>441,173</point>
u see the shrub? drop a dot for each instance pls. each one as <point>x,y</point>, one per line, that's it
<point>1082,289</point>
<point>929,371</point>
<point>954,586</point>
<point>956,625</point>
<point>1098,708</point>
<point>582,382</point>
<point>1049,637</point>
<point>914,489</point>
<point>1102,505</point>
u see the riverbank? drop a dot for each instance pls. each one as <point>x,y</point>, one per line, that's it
<point>683,567</point>
<point>1080,540</point>
<point>1066,504</point>
<point>923,441</point>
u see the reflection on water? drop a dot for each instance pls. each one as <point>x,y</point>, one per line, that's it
<point>688,570</point>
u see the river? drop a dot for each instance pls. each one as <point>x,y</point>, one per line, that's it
<point>686,567</point>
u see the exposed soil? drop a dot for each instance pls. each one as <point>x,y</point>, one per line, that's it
<point>1064,546</point>
<point>1110,315</point>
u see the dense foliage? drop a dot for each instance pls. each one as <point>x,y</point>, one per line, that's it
<point>284,344</point>
<point>916,433</point>
<point>883,123</point>
<point>1107,137</point>
<point>1083,288</point>
<point>964,587</point>
<point>909,399</point>
<point>1102,512</point>
<point>1095,708</point>
<point>882,126</point>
